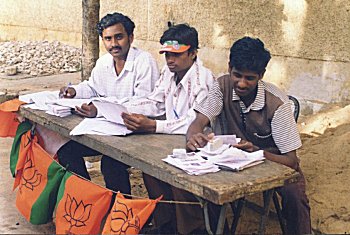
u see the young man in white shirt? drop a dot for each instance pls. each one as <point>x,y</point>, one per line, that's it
<point>184,82</point>
<point>123,72</point>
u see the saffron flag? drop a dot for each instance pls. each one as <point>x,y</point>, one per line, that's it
<point>81,206</point>
<point>8,118</point>
<point>128,216</point>
<point>39,181</point>
<point>24,146</point>
<point>22,129</point>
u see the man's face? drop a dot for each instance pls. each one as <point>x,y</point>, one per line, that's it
<point>244,82</point>
<point>116,41</point>
<point>179,62</point>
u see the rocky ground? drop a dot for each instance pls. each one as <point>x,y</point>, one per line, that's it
<point>38,58</point>
<point>325,160</point>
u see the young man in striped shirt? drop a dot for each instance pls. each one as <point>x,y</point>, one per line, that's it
<point>241,103</point>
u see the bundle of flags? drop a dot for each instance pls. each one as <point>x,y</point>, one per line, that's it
<point>45,188</point>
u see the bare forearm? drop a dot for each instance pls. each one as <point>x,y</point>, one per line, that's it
<point>289,160</point>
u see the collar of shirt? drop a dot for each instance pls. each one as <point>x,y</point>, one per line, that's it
<point>129,63</point>
<point>259,101</point>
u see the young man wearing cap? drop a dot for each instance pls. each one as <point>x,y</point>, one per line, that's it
<point>123,72</point>
<point>183,83</point>
<point>260,114</point>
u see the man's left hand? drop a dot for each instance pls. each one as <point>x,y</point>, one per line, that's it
<point>246,146</point>
<point>139,123</point>
<point>86,110</point>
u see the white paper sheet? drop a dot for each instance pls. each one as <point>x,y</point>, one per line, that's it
<point>40,99</point>
<point>71,103</point>
<point>111,111</point>
<point>99,126</point>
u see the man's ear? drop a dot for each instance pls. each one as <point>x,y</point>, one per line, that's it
<point>131,38</point>
<point>193,54</point>
<point>262,74</point>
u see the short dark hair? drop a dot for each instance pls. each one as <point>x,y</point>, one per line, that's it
<point>249,54</point>
<point>116,18</point>
<point>183,33</point>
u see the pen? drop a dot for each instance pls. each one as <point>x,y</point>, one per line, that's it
<point>65,90</point>
<point>176,115</point>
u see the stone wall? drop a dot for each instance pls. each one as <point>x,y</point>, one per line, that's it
<point>309,39</point>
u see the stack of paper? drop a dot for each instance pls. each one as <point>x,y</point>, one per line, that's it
<point>58,110</point>
<point>234,159</point>
<point>62,107</point>
<point>228,157</point>
<point>191,164</point>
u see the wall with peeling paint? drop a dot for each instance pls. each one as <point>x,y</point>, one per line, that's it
<point>308,39</point>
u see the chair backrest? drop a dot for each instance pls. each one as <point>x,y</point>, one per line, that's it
<point>296,107</point>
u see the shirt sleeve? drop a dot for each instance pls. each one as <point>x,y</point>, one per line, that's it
<point>284,129</point>
<point>147,75</point>
<point>153,105</point>
<point>83,90</point>
<point>212,105</point>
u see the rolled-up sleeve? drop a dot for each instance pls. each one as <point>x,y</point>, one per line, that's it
<point>211,107</point>
<point>284,129</point>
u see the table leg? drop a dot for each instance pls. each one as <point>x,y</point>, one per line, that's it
<point>221,222</point>
<point>237,209</point>
<point>267,201</point>
<point>222,218</point>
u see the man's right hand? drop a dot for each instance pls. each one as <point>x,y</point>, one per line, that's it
<point>198,140</point>
<point>67,92</point>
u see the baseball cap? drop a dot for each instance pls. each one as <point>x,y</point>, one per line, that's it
<point>173,46</point>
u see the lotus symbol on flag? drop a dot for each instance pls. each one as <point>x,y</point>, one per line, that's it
<point>121,218</point>
<point>76,213</point>
<point>30,177</point>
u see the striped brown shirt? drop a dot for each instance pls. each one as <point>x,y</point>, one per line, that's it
<point>281,126</point>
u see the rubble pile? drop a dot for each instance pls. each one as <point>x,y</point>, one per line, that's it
<point>36,58</point>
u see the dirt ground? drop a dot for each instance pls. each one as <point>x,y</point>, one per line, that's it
<point>325,160</point>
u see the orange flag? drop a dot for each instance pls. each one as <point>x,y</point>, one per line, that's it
<point>25,145</point>
<point>8,119</point>
<point>39,181</point>
<point>81,206</point>
<point>128,216</point>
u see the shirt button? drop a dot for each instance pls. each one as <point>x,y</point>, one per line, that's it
<point>175,95</point>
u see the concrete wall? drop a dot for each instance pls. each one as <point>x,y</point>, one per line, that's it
<point>309,39</point>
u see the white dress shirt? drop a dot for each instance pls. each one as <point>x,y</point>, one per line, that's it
<point>137,78</point>
<point>176,101</point>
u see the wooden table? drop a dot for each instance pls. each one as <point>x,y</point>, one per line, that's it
<point>146,151</point>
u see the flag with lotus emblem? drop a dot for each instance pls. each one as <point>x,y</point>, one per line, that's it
<point>81,206</point>
<point>128,216</point>
<point>38,177</point>
<point>21,130</point>
<point>8,118</point>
